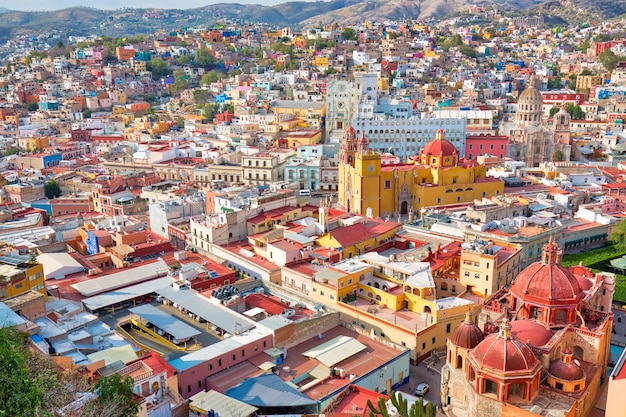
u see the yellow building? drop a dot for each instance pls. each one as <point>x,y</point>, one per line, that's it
<point>19,274</point>
<point>588,81</point>
<point>358,237</point>
<point>392,300</point>
<point>436,177</point>
<point>321,62</point>
<point>487,267</point>
<point>297,138</point>
<point>37,143</point>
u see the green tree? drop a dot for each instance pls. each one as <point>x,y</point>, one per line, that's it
<point>556,82</point>
<point>52,189</point>
<point>467,51</point>
<point>211,77</point>
<point>115,398</point>
<point>349,34</point>
<point>181,81</point>
<point>618,235</point>
<point>184,60</point>
<point>201,96</point>
<point>584,45</point>
<point>158,67</point>
<point>204,59</point>
<point>571,83</point>
<point>32,106</point>
<point>554,110</point>
<point>558,156</point>
<point>86,113</point>
<point>586,72</point>
<point>608,59</point>
<point>20,395</point>
<point>575,112</point>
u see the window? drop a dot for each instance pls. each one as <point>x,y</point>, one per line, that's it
<point>444,286</point>
<point>200,384</point>
<point>476,275</point>
<point>210,367</point>
<point>424,346</point>
<point>448,327</point>
<point>535,313</point>
<point>387,184</point>
<point>467,274</point>
<point>558,385</point>
<point>434,340</point>
<point>188,388</point>
<point>243,353</point>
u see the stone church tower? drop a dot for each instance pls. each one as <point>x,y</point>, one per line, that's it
<point>531,141</point>
<point>562,135</point>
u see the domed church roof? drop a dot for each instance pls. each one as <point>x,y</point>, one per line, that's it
<point>467,334</point>
<point>547,279</point>
<point>503,353</point>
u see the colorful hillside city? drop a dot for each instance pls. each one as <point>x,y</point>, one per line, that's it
<point>257,221</point>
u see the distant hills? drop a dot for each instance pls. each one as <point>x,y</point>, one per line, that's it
<point>126,22</point>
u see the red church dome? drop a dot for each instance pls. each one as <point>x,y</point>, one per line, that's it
<point>531,332</point>
<point>440,147</point>
<point>565,368</point>
<point>467,334</point>
<point>504,353</point>
<point>547,279</point>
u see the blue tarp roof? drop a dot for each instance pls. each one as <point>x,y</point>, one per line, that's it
<point>268,391</point>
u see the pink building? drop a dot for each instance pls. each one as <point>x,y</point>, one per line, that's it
<point>485,145</point>
<point>196,368</point>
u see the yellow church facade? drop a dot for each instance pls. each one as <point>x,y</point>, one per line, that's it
<point>435,177</point>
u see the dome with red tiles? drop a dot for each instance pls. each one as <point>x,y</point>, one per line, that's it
<point>439,152</point>
<point>547,280</point>
<point>440,146</point>
<point>531,332</point>
<point>467,334</point>
<point>565,368</point>
<point>503,353</point>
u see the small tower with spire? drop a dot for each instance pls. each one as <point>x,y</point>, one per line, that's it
<point>363,145</point>
<point>348,149</point>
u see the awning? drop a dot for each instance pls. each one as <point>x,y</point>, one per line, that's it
<point>223,405</point>
<point>335,350</point>
<point>266,366</point>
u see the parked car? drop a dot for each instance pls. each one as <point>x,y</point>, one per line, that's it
<point>422,389</point>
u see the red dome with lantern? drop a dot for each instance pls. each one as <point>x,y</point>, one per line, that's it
<point>547,281</point>
<point>439,152</point>
<point>467,334</point>
<point>503,353</point>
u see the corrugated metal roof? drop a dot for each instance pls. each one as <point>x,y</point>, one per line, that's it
<point>166,322</point>
<point>128,293</point>
<point>335,350</point>
<point>9,317</point>
<point>223,405</point>
<point>122,279</point>
<point>320,372</point>
<point>220,316</point>
<point>269,390</point>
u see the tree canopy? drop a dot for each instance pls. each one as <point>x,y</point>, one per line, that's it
<point>349,34</point>
<point>608,59</point>
<point>158,67</point>
<point>52,189</point>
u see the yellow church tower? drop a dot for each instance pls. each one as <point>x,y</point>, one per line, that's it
<point>435,177</point>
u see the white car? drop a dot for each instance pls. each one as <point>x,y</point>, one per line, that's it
<point>422,389</point>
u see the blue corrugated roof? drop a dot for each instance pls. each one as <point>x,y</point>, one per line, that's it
<point>268,391</point>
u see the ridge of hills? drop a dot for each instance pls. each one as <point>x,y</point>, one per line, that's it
<point>127,22</point>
